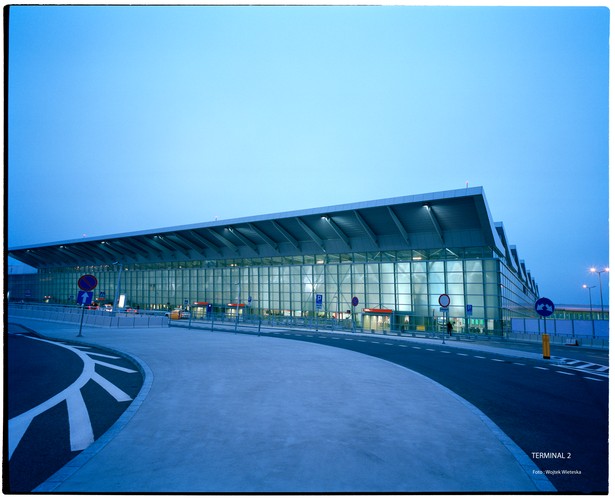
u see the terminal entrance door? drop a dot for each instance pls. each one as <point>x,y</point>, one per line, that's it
<point>377,321</point>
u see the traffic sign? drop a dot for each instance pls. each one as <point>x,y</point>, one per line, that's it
<point>544,307</point>
<point>318,301</point>
<point>355,301</point>
<point>85,298</point>
<point>87,282</point>
<point>444,300</point>
<point>469,309</point>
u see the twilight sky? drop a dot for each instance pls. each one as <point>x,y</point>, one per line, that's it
<point>132,118</point>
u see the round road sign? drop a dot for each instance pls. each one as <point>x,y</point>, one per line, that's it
<point>355,301</point>
<point>87,282</point>
<point>544,307</point>
<point>444,300</point>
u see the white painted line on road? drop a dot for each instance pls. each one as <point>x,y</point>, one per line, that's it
<point>461,354</point>
<point>389,344</point>
<point>112,389</point>
<point>481,357</point>
<point>497,359</point>
<point>361,340</point>
<point>114,367</point>
<point>81,435</point>
<point>429,349</point>
<point>593,378</point>
<point>541,368</point>
<point>563,373</point>
<point>104,356</point>
<point>416,347</point>
<point>585,366</point>
<point>402,346</point>
<point>445,352</point>
<point>520,364</point>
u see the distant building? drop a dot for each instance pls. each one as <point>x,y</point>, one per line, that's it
<point>580,312</point>
<point>384,264</point>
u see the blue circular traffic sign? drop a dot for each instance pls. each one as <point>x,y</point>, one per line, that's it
<point>355,301</point>
<point>544,307</point>
<point>87,282</point>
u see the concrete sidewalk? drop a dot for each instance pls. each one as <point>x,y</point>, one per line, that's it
<point>224,413</point>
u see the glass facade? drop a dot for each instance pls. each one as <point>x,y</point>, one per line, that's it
<point>396,290</point>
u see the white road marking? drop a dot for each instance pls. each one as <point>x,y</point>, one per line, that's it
<point>563,373</point>
<point>114,367</point>
<point>81,435</point>
<point>104,356</point>
<point>541,368</point>
<point>111,388</point>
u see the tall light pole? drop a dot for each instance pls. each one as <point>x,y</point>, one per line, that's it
<point>600,272</point>
<point>116,302</point>
<point>591,310</point>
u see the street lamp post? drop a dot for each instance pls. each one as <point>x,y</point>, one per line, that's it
<point>600,272</point>
<point>591,310</point>
<point>116,302</point>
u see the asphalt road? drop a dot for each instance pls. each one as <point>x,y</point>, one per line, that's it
<point>38,371</point>
<point>557,415</point>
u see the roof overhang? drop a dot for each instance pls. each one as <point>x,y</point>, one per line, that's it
<point>455,218</point>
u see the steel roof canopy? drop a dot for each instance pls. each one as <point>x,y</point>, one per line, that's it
<point>455,218</point>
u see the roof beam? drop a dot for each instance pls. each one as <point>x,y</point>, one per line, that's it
<point>30,255</point>
<point>140,245</point>
<point>56,257</point>
<point>224,240</point>
<point>402,231</point>
<point>434,221</point>
<point>114,253</point>
<point>312,234</point>
<point>206,243</point>
<point>366,227</point>
<point>337,230</point>
<point>286,235</point>
<point>80,253</point>
<point>270,242</point>
<point>165,239</point>
<point>243,239</point>
<point>157,242</point>
<point>182,238</point>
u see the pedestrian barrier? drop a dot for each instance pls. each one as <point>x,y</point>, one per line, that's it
<point>93,318</point>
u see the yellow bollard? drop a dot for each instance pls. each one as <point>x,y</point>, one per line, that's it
<point>546,350</point>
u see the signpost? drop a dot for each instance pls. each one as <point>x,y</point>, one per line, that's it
<point>444,301</point>
<point>87,283</point>
<point>545,307</point>
<point>355,303</point>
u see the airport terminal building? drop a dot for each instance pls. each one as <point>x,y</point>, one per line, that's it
<point>383,265</point>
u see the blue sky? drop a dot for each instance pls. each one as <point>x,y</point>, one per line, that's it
<point>131,118</point>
